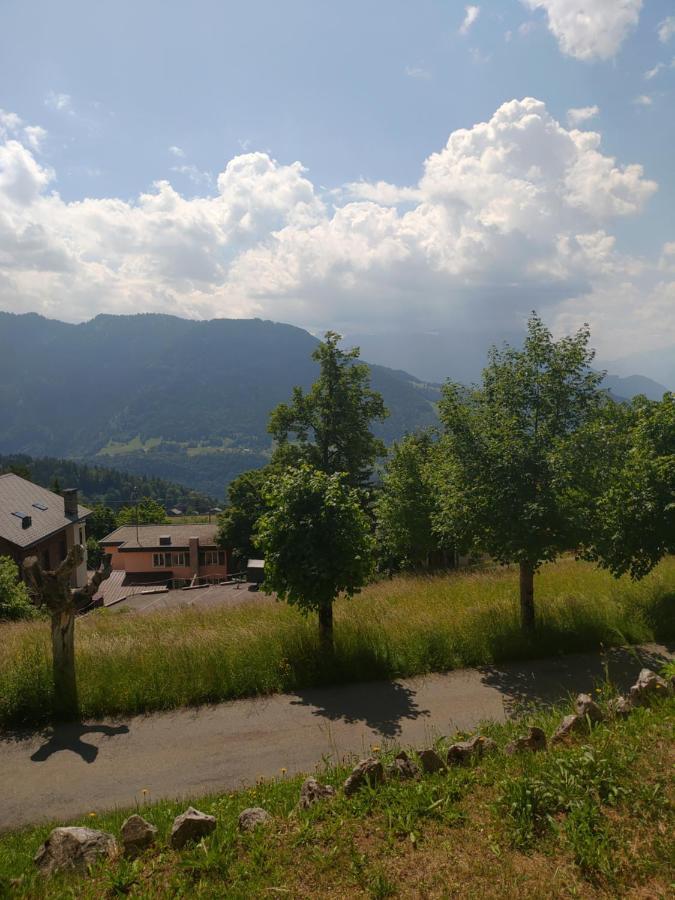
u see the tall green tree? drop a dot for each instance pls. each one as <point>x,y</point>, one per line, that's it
<point>330,424</point>
<point>406,504</point>
<point>510,450</point>
<point>101,521</point>
<point>317,542</point>
<point>146,512</point>
<point>15,602</point>
<point>237,524</point>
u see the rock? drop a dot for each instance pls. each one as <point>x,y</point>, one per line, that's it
<point>191,825</point>
<point>313,791</point>
<point>572,724</point>
<point>252,817</point>
<point>535,741</point>
<point>586,706</point>
<point>137,835</point>
<point>648,685</point>
<point>369,771</point>
<point>461,753</point>
<point>620,707</point>
<point>74,848</point>
<point>403,767</point>
<point>431,761</point>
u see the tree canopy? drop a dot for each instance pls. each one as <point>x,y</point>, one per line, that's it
<point>15,602</point>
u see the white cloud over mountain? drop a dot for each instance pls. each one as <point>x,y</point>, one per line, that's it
<point>589,29</point>
<point>512,214</point>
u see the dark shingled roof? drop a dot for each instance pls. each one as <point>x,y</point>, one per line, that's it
<point>19,495</point>
<point>149,535</point>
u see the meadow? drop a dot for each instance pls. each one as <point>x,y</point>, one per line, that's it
<point>590,818</point>
<point>129,663</point>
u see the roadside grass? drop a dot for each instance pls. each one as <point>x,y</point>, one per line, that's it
<point>592,818</point>
<point>129,663</point>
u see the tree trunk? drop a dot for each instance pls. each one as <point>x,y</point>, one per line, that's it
<point>63,662</point>
<point>326,627</point>
<point>527,596</point>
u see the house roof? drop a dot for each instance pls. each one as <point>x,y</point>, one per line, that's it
<point>17,495</point>
<point>149,536</point>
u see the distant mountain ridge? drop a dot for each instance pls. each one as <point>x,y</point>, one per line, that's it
<point>157,395</point>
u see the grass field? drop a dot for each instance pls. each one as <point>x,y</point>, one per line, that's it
<point>410,625</point>
<point>591,819</point>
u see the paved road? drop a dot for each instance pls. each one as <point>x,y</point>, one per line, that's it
<point>64,773</point>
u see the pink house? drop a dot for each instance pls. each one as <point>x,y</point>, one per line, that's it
<point>175,555</point>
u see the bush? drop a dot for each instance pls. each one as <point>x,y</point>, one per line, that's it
<point>15,602</point>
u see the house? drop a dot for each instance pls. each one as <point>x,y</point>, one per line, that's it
<point>174,555</point>
<point>38,522</point>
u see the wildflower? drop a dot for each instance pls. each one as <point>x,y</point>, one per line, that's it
<point>376,748</point>
<point>92,815</point>
<point>283,771</point>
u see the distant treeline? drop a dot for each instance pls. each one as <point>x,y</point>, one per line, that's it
<point>105,486</point>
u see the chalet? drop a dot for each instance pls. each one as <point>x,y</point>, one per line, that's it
<point>174,555</point>
<point>38,522</point>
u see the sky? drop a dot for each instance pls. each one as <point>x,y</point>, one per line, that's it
<point>370,167</point>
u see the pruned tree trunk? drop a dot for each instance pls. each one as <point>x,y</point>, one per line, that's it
<point>527,596</point>
<point>326,627</point>
<point>63,663</point>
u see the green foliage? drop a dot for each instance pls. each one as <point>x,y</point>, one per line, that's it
<point>146,512</point>
<point>101,522</point>
<point>331,422</point>
<point>94,553</point>
<point>15,601</point>
<point>406,504</point>
<point>315,537</point>
<point>237,524</point>
<point>633,525</point>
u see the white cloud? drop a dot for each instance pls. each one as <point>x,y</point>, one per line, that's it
<point>60,102</point>
<point>666,29</point>
<point>471,13</point>
<point>643,100</point>
<point>578,115</point>
<point>195,175</point>
<point>511,214</point>
<point>417,72</point>
<point>177,151</point>
<point>589,29</point>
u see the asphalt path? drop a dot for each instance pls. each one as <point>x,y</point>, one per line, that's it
<point>62,773</point>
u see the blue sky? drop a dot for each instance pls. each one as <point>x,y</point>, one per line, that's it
<point>131,94</point>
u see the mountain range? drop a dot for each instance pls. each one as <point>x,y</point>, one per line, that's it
<point>189,400</point>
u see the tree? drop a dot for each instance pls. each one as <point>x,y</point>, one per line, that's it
<point>101,522</point>
<point>633,523</point>
<point>406,504</point>
<point>317,542</point>
<point>146,512</point>
<point>14,598</point>
<point>331,423</point>
<point>237,524</point>
<point>510,453</point>
<point>51,588</point>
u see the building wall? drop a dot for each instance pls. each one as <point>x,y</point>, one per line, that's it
<point>141,561</point>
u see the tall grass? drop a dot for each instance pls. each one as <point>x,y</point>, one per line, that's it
<point>129,663</point>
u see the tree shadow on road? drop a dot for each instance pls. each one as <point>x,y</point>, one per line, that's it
<point>381,705</point>
<point>69,737</point>
<point>537,682</point>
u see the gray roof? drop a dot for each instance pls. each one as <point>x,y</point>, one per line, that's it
<point>149,535</point>
<point>19,495</point>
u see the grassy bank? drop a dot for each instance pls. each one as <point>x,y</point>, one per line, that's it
<point>129,663</point>
<point>593,819</point>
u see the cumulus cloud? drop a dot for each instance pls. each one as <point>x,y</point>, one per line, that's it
<point>176,151</point>
<point>511,214</point>
<point>580,114</point>
<point>666,29</point>
<point>471,13</point>
<point>589,29</point>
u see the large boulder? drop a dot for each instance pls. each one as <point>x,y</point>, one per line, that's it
<point>252,818</point>
<point>192,825</point>
<point>648,686</point>
<point>403,767</point>
<point>463,752</point>
<point>367,771</point>
<point>431,761</point>
<point>586,707</point>
<point>572,724</point>
<point>137,835</point>
<point>74,848</point>
<point>535,741</point>
<point>312,791</point>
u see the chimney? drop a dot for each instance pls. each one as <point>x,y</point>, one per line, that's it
<point>70,501</point>
<point>194,555</point>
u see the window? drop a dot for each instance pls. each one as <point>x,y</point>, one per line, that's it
<point>180,559</point>
<point>210,557</point>
<point>82,536</point>
<point>45,559</point>
<point>159,560</point>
